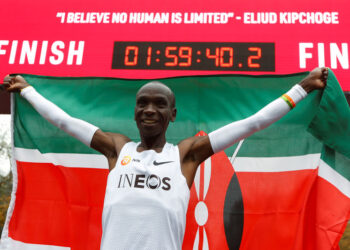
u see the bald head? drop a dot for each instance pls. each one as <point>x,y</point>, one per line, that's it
<point>158,87</point>
<point>154,109</point>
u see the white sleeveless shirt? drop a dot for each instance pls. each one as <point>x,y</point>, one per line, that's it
<point>146,201</point>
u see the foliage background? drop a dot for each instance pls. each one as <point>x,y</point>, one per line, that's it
<point>5,181</point>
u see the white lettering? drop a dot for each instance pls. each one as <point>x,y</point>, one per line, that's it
<point>342,56</point>
<point>149,17</point>
<point>336,54</point>
<point>321,59</point>
<point>334,17</point>
<point>88,17</point>
<point>70,17</point>
<point>61,15</point>
<point>176,17</point>
<point>283,18</point>
<point>75,52</point>
<point>210,17</point>
<point>119,17</point>
<point>43,52</point>
<point>56,48</point>
<point>260,18</point>
<point>28,51</point>
<point>13,52</point>
<point>3,42</point>
<point>309,17</point>
<point>303,55</point>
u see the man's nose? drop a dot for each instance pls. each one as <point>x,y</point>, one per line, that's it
<point>150,109</point>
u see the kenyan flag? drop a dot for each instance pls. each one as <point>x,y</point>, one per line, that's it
<point>288,187</point>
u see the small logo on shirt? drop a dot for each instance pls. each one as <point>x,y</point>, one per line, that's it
<point>155,163</point>
<point>126,160</point>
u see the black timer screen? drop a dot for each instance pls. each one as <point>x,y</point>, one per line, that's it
<point>194,56</point>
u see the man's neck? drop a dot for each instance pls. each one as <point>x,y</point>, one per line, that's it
<point>156,143</point>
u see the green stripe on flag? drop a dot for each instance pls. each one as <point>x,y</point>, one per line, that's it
<point>333,115</point>
<point>331,125</point>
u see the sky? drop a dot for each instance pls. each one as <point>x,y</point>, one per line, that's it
<point>6,134</point>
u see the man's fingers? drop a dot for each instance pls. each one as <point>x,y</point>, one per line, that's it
<point>7,79</point>
<point>326,72</point>
<point>12,79</point>
<point>9,83</point>
<point>324,76</point>
<point>4,85</point>
<point>12,88</point>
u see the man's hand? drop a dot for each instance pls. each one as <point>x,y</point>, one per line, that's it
<point>15,83</point>
<point>317,79</point>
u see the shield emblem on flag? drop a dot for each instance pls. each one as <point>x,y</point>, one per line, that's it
<point>215,211</point>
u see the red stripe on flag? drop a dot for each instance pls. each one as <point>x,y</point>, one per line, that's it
<point>326,216</point>
<point>58,205</point>
<point>274,208</point>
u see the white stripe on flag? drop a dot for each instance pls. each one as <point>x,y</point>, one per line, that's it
<point>10,244</point>
<point>333,177</point>
<point>67,160</point>
<point>276,164</point>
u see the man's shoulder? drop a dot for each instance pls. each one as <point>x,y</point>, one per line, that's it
<point>186,144</point>
<point>187,141</point>
<point>118,136</point>
<point>119,140</point>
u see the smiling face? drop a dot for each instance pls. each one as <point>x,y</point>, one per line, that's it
<point>155,107</point>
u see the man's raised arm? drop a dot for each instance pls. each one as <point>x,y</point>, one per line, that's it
<point>228,135</point>
<point>87,133</point>
<point>197,149</point>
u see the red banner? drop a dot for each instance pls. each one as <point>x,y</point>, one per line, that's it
<point>82,38</point>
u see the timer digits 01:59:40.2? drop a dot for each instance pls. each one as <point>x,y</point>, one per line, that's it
<point>194,56</point>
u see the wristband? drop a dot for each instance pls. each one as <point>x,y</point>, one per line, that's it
<point>25,89</point>
<point>294,95</point>
<point>288,100</point>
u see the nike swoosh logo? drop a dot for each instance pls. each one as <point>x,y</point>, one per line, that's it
<point>161,163</point>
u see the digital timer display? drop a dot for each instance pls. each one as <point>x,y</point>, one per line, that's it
<point>194,56</point>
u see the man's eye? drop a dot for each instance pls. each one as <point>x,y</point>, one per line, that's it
<point>161,104</point>
<point>141,103</point>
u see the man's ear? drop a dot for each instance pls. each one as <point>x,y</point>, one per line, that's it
<point>173,114</point>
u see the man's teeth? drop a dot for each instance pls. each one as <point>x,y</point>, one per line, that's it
<point>149,121</point>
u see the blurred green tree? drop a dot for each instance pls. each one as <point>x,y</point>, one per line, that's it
<point>5,197</point>
<point>5,181</point>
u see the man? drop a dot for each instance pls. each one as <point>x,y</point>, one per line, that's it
<point>148,186</point>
